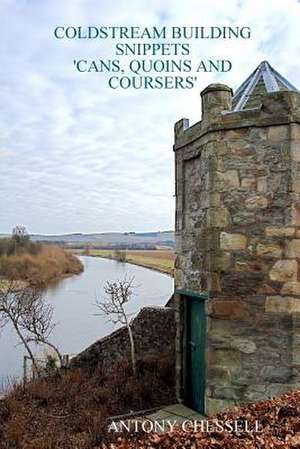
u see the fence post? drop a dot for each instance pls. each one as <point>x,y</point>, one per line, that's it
<point>25,357</point>
<point>65,361</point>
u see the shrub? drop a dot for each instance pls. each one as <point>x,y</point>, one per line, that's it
<point>120,255</point>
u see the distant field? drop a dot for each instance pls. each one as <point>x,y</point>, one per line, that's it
<point>160,260</point>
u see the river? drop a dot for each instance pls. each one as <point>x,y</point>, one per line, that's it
<point>74,309</point>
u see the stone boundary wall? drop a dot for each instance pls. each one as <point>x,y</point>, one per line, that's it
<point>153,331</point>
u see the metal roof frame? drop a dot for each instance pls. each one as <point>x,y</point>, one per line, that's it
<point>271,80</point>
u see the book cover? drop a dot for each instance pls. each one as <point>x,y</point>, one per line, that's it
<point>149,224</point>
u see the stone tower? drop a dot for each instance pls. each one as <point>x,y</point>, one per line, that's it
<point>237,277</point>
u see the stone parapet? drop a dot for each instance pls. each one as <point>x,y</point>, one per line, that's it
<point>279,108</point>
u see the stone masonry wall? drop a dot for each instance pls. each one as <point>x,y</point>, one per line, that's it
<point>250,343</point>
<point>238,238</point>
<point>153,332</point>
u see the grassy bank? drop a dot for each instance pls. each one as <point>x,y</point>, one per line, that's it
<point>39,263</point>
<point>160,260</point>
<point>70,411</point>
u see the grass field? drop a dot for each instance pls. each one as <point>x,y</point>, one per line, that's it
<point>160,260</point>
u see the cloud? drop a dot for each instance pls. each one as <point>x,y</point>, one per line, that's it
<point>6,152</point>
<point>86,158</point>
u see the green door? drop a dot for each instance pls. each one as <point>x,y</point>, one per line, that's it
<point>195,348</point>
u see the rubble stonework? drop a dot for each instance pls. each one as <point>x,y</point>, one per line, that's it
<point>154,333</point>
<point>238,239</point>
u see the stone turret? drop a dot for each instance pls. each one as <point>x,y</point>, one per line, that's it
<point>216,98</point>
<point>238,243</point>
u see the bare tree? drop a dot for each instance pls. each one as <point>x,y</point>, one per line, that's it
<point>20,234</point>
<point>37,320</point>
<point>23,306</point>
<point>117,295</point>
<point>14,298</point>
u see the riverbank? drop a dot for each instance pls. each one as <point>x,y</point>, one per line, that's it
<point>158,260</point>
<point>38,263</point>
<point>72,410</point>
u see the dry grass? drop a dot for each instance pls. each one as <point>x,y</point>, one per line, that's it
<point>49,264</point>
<point>160,260</point>
<point>70,411</point>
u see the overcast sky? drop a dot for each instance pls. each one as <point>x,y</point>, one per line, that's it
<point>76,156</point>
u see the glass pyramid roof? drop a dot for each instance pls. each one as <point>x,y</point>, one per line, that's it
<point>263,80</point>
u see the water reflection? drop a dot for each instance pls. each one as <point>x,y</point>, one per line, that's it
<point>74,302</point>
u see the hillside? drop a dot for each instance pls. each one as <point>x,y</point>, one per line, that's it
<point>72,410</point>
<point>69,411</point>
<point>109,239</point>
